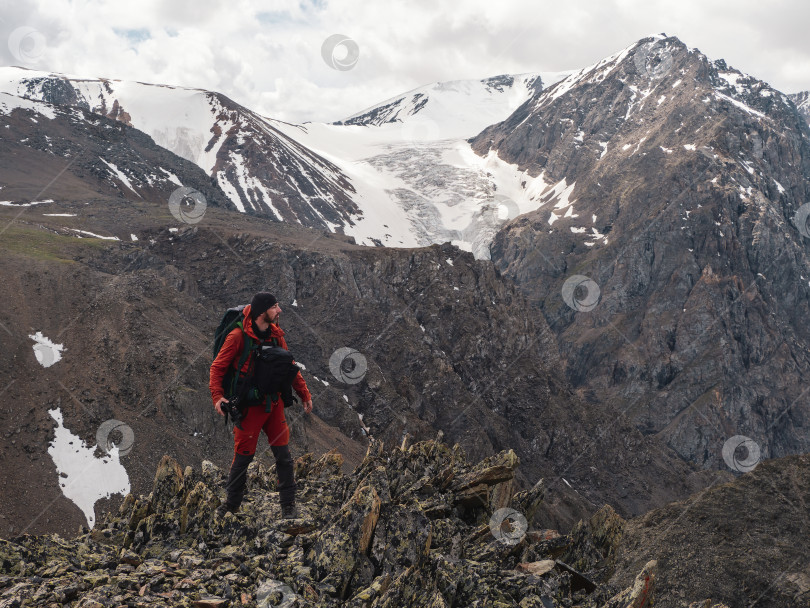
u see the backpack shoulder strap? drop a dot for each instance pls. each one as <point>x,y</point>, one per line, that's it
<point>248,346</point>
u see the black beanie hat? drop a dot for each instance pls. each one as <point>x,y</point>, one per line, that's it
<point>261,302</point>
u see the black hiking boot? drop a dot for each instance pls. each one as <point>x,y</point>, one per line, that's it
<point>289,512</point>
<point>225,508</point>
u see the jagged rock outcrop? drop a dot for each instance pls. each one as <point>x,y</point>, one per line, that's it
<point>372,538</point>
<point>672,271</point>
<point>397,531</point>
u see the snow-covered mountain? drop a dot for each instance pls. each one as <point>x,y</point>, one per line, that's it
<point>400,173</point>
<point>97,160</point>
<point>417,180</point>
<point>457,107</point>
<point>397,174</point>
<point>259,169</point>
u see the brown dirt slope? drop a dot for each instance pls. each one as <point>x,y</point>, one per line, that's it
<point>744,543</point>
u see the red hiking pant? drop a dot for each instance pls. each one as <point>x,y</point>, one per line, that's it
<point>256,420</point>
<point>274,425</point>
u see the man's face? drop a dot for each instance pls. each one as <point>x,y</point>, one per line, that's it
<point>271,314</point>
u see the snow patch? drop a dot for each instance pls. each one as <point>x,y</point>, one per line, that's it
<point>31,204</point>
<point>84,478</point>
<point>9,102</point>
<point>172,177</point>
<point>120,175</point>
<point>604,146</point>
<point>739,104</point>
<point>95,236</point>
<point>46,352</point>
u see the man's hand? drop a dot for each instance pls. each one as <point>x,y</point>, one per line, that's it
<point>307,405</point>
<point>218,405</point>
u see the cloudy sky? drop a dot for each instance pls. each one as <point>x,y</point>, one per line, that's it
<point>271,56</point>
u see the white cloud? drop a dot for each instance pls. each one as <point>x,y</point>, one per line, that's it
<point>268,55</point>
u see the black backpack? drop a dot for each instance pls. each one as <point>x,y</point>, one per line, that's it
<point>275,372</point>
<point>230,321</point>
<point>273,368</point>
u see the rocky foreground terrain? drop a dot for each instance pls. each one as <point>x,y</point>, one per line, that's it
<point>418,525</point>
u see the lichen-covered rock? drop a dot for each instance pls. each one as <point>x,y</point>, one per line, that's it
<point>538,568</point>
<point>328,465</point>
<point>335,551</point>
<point>377,478</point>
<point>640,593</point>
<point>594,543</point>
<point>402,538</point>
<point>365,540</point>
<point>413,587</point>
<point>490,471</point>
<point>168,484</point>
<point>211,473</point>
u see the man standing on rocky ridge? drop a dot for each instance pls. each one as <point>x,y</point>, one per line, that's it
<point>260,324</point>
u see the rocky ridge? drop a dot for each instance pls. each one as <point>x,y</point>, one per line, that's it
<point>419,525</point>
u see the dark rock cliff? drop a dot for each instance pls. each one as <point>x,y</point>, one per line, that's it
<point>686,273</point>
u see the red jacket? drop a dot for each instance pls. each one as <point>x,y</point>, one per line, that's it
<point>231,351</point>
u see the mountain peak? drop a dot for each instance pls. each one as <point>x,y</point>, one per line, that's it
<point>457,108</point>
<point>675,164</point>
<point>259,169</point>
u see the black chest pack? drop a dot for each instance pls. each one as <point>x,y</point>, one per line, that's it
<point>270,373</point>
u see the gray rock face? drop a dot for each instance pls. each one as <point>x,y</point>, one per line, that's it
<point>727,530</point>
<point>802,101</point>
<point>438,341</point>
<point>678,281</point>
